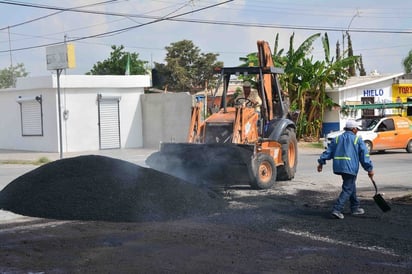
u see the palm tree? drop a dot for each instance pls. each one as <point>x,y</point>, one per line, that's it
<point>296,80</point>
<point>325,74</point>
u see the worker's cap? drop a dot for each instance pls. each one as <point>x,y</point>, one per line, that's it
<point>246,84</point>
<point>352,124</point>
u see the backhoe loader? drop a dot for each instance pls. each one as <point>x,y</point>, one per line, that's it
<point>236,144</point>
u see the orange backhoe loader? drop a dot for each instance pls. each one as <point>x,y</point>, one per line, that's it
<point>236,144</point>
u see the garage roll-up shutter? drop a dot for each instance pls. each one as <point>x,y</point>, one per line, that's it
<point>31,113</point>
<point>109,121</point>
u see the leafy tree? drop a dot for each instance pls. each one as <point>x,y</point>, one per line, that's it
<point>186,68</point>
<point>308,81</point>
<point>8,75</point>
<point>407,62</point>
<point>117,62</point>
<point>325,74</point>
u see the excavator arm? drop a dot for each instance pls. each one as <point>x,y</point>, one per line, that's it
<point>270,82</point>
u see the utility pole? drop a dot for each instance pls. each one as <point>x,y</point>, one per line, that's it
<point>11,59</point>
<point>11,56</point>
<point>357,14</point>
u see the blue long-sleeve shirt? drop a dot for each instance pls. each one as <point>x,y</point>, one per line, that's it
<point>347,151</point>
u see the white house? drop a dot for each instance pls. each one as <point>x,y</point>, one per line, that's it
<point>97,112</point>
<point>374,88</point>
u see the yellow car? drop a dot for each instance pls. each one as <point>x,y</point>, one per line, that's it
<point>383,133</point>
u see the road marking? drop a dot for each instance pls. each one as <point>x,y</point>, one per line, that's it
<point>34,226</point>
<point>344,243</point>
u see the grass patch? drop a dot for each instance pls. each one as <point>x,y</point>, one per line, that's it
<point>38,162</point>
<point>316,145</point>
<point>312,144</point>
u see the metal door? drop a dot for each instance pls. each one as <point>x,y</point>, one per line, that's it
<point>109,122</point>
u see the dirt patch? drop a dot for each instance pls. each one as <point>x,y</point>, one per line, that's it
<point>95,187</point>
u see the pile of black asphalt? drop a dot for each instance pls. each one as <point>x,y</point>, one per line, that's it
<point>95,187</point>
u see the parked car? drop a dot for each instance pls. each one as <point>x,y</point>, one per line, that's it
<point>382,133</point>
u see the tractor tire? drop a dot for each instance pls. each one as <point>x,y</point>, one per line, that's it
<point>289,155</point>
<point>262,172</point>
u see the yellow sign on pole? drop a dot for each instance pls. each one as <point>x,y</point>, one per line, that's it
<point>60,57</point>
<point>71,57</point>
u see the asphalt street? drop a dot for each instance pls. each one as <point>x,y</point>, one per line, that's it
<point>392,171</point>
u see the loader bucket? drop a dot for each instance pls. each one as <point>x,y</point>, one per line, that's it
<point>210,164</point>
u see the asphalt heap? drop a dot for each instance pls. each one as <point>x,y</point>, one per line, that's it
<point>102,188</point>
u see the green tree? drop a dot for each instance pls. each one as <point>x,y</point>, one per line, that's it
<point>186,68</point>
<point>117,62</point>
<point>308,81</point>
<point>324,74</point>
<point>9,75</point>
<point>407,63</point>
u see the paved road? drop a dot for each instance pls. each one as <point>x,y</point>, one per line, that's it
<point>392,171</point>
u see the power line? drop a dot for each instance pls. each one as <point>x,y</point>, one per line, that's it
<point>227,23</point>
<point>279,26</point>
<point>176,18</point>
<point>158,19</point>
<point>48,15</point>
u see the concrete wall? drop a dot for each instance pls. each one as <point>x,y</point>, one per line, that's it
<point>166,118</point>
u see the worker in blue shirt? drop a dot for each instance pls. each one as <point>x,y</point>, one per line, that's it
<point>347,151</point>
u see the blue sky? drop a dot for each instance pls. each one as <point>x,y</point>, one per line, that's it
<point>381,31</point>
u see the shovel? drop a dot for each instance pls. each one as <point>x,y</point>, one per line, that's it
<point>379,200</point>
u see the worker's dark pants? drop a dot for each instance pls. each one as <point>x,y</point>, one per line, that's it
<point>348,193</point>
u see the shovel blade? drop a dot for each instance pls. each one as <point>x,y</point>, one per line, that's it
<point>380,201</point>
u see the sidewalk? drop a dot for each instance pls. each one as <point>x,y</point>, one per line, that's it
<point>128,154</point>
<point>135,155</point>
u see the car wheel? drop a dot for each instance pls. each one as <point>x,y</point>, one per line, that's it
<point>409,146</point>
<point>369,146</point>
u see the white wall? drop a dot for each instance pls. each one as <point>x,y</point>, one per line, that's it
<point>380,90</point>
<point>79,98</point>
<point>81,130</point>
<point>10,126</point>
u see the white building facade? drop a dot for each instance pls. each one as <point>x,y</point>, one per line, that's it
<point>371,89</point>
<point>97,112</point>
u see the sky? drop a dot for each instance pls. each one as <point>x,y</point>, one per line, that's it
<point>381,31</point>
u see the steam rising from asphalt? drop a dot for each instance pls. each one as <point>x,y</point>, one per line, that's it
<point>203,164</point>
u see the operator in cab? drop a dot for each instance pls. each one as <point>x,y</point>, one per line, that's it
<point>250,95</point>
